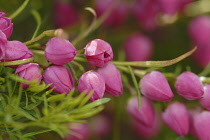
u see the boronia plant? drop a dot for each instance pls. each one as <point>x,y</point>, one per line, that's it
<point>50,83</point>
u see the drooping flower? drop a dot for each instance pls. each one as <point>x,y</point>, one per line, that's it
<point>89,81</point>
<point>3,45</point>
<point>204,101</point>
<point>98,52</point>
<point>6,25</point>
<point>60,78</point>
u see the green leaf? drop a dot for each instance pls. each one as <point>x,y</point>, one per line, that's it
<point>35,133</point>
<point>55,98</point>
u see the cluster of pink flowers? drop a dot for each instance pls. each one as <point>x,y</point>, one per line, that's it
<point>180,119</point>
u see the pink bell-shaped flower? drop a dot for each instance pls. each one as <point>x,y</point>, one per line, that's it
<point>155,87</point>
<point>89,81</point>
<point>204,101</point>
<point>3,45</point>
<point>30,72</point>
<point>60,78</point>
<point>138,47</point>
<point>148,131</point>
<point>59,51</point>
<point>189,86</point>
<point>98,52</point>
<point>145,114</point>
<point>6,25</point>
<point>64,14</point>
<point>112,78</point>
<point>176,118</point>
<point>16,50</point>
<point>202,125</point>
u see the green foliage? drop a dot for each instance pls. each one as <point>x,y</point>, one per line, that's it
<point>25,113</point>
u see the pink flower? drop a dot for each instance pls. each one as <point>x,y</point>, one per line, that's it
<point>147,131</point>
<point>202,125</point>
<point>145,114</point>
<point>204,101</point>
<point>138,47</point>
<point>30,72</point>
<point>60,77</point>
<point>192,114</point>
<point>59,51</point>
<point>89,81</point>
<point>81,131</point>
<point>117,15</point>
<point>155,87</point>
<point>146,12</point>
<point>189,86</point>
<point>112,78</point>
<point>64,14</point>
<point>6,26</point>
<point>3,45</point>
<point>98,52</point>
<point>176,118</point>
<point>16,50</point>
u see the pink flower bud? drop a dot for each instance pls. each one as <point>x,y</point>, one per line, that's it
<point>30,72</point>
<point>202,125</point>
<point>112,78</point>
<point>64,14</point>
<point>3,45</point>
<point>171,7</point>
<point>98,52</point>
<point>138,47</point>
<point>145,114</point>
<point>176,118</point>
<point>146,12</point>
<point>189,86</point>
<point>6,26</point>
<point>60,77</point>
<point>117,15</point>
<point>59,51</point>
<point>204,101</point>
<point>155,87</point>
<point>81,132</point>
<point>92,81</point>
<point>192,114</point>
<point>16,50</point>
<point>148,131</point>
<point>199,30</point>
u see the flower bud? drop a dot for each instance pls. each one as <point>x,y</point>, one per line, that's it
<point>199,30</point>
<point>146,12</point>
<point>59,51</point>
<point>138,47</point>
<point>145,114</point>
<point>80,132</point>
<point>6,26</point>
<point>64,14</point>
<point>112,78</point>
<point>98,52</point>
<point>117,15</point>
<point>92,81</point>
<point>60,77</point>
<point>148,131</point>
<point>171,7</point>
<point>16,50</point>
<point>202,125</point>
<point>176,118</point>
<point>192,113</point>
<point>3,45</point>
<point>30,72</point>
<point>155,87</point>
<point>204,101</point>
<point>189,86</point>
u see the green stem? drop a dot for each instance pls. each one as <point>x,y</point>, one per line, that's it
<point>38,21</point>
<point>19,10</point>
<point>154,63</point>
<point>17,62</point>
<point>50,33</point>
